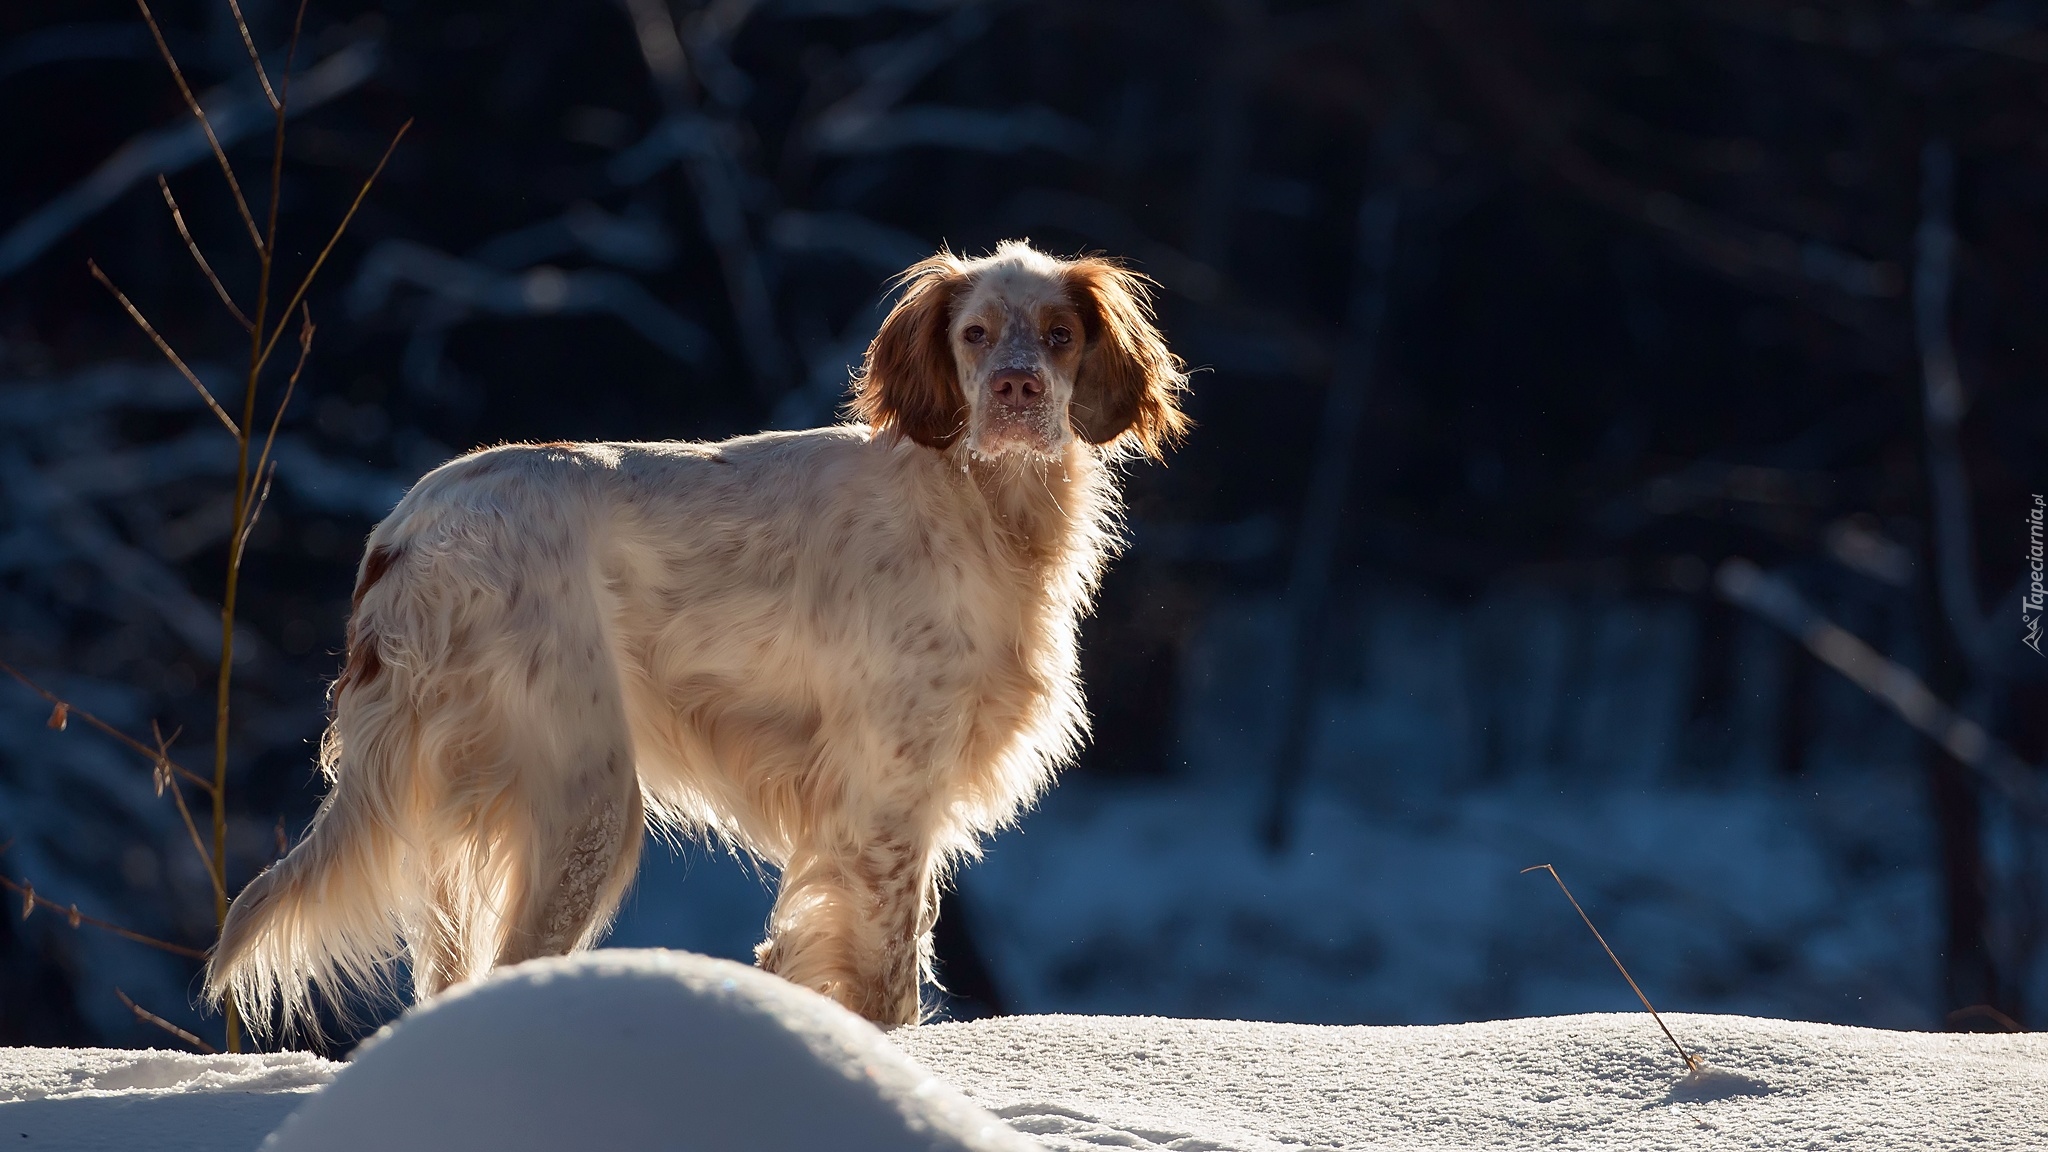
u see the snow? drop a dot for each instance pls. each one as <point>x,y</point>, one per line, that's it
<point>88,1099</point>
<point>626,1050</point>
<point>635,1050</point>
<point>1595,1082</point>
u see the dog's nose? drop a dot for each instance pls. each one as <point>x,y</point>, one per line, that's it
<point>1016,387</point>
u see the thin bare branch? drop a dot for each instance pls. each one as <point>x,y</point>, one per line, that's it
<point>149,1017</point>
<point>31,900</point>
<point>291,53</point>
<point>1692,1063</point>
<point>198,257</point>
<point>255,59</point>
<point>306,283</point>
<point>164,346</point>
<point>68,710</point>
<point>192,102</point>
<point>279,106</point>
<point>164,780</point>
<point>256,509</point>
<point>264,467</point>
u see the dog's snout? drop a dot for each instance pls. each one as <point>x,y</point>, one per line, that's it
<point>1016,387</point>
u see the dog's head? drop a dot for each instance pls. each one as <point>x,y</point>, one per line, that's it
<point>1020,352</point>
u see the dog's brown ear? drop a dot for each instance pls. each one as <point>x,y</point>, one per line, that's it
<point>909,381</point>
<point>1129,386</point>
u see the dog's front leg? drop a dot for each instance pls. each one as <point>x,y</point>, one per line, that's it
<point>856,925</point>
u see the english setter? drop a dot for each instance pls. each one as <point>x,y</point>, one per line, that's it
<point>848,651</point>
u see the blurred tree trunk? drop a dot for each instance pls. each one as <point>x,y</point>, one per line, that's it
<point>1967,970</point>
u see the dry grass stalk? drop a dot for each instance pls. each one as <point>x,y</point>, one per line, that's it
<point>62,711</point>
<point>165,780</point>
<point>199,257</point>
<point>32,900</point>
<point>164,347</point>
<point>166,774</point>
<point>148,1017</point>
<point>198,113</point>
<point>1692,1063</point>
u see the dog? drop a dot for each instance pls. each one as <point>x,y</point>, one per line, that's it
<point>849,652</point>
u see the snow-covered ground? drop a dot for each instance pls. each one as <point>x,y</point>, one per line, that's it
<point>94,1099</point>
<point>629,1050</point>
<point>1593,1082</point>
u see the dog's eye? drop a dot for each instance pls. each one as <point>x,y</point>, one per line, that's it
<point>975,333</point>
<point>1059,335</point>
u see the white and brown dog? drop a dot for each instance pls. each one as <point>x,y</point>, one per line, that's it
<point>848,651</point>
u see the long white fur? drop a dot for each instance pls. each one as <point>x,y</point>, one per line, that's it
<point>846,652</point>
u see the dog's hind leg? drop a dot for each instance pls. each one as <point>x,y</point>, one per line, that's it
<point>579,861</point>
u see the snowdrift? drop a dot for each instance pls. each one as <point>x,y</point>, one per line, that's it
<point>630,1050</point>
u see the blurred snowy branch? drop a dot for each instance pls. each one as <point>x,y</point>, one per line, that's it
<point>636,239</point>
<point>49,783</point>
<point>1546,123</point>
<point>122,40</point>
<point>108,483</point>
<point>1775,599</point>
<point>710,159</point>
<point>54,487</point>
<point>1103,222</point>
<point>704,133</point>
<point>870,120</point>
<point>976,129</point>
<point>468,287</point>
<point>236,111</point>
<point>77,530</point>
<point>880,247</point>
<point>895,68</point>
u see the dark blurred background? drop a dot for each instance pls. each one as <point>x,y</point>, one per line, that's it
<point>1618,423</point>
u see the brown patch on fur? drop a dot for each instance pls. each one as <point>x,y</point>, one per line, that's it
<point>908,381</point>
<point>1129,385</point>
<point>375,564</point>
<point>364,664</point>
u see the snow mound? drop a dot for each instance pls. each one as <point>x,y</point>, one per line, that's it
<point>1604,1082</point>
<point>625,1050</point>
<point>89,1099</point>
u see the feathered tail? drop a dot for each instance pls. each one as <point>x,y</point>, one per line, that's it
<point>320,921</point>
<point>329,916</point>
